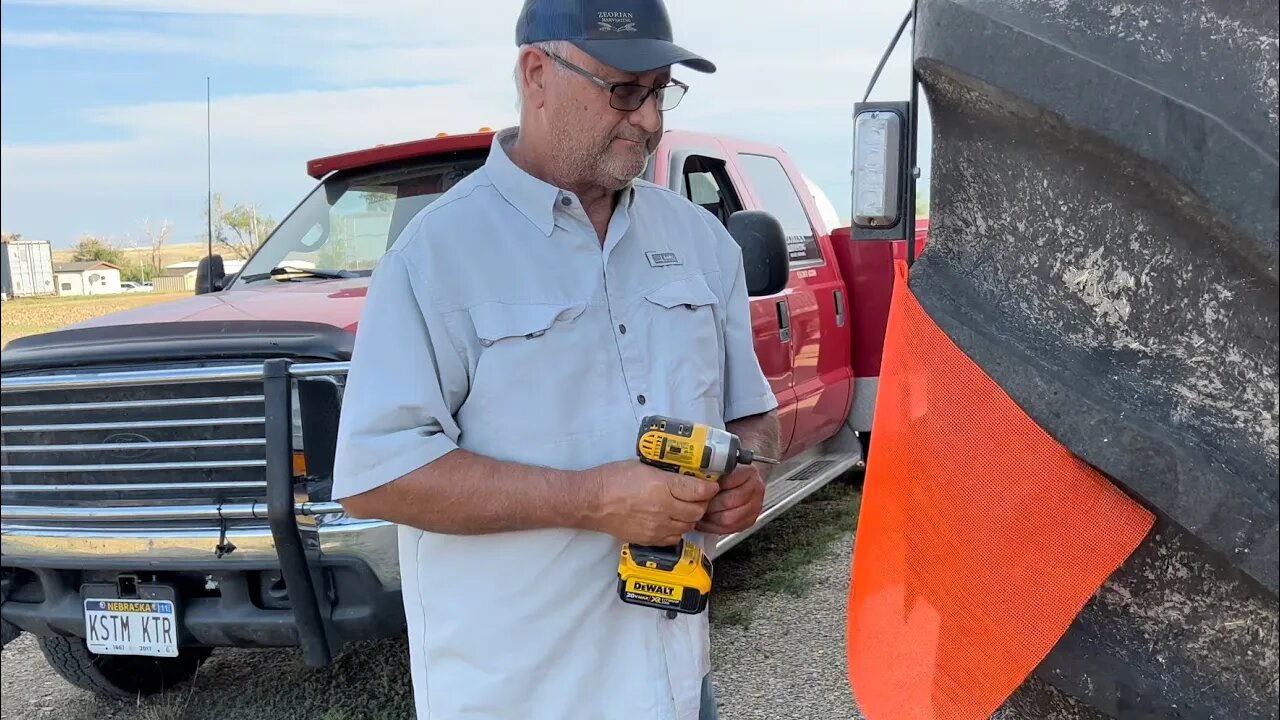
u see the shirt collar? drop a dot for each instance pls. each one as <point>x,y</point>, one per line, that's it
<point>536,199</point>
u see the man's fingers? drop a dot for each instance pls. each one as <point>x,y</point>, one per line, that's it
<point>730,499</point>
<point>687,512</point>
<point>750,489</point>
<point>713,528</point>
<point>737,478</point>
<point>662,537</point>
<point>728,521</point>
<point>736,518</point>
<point>690,489</point>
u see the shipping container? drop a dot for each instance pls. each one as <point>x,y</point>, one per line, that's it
<point>26,269</point>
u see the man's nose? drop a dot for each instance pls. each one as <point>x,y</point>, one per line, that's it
<point>648,117</point>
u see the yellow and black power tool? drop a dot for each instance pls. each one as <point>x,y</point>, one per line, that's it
<point>678,578</point>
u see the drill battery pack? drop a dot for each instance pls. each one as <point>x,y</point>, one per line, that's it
<point>676,579</point>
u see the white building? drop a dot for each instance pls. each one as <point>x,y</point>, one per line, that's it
<point>91,277</point>
<point>181,276</point>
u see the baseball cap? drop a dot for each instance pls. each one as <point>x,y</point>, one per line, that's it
<point>631,35</point>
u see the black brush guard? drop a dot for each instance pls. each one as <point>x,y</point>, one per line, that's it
<point>310,607</point>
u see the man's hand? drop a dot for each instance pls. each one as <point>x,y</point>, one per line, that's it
<point>640,504</point>
<point>737,504</point>
<point>741,498</point>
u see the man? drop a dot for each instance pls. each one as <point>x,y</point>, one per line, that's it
<point>512,339</point>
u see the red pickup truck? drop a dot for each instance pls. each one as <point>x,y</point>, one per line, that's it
<point>166,469</point>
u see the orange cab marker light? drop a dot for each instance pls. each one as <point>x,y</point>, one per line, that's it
<point>979,539</point>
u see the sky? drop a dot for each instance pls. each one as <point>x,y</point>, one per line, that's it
<point>103,102</point>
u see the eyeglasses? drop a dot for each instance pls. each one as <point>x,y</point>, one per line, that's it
<point>630,96</point>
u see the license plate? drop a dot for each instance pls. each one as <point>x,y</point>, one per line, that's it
<point>131,627</point>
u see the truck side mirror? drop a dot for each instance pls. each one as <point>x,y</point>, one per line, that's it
<point>764,250</point>
<point>210,273</point>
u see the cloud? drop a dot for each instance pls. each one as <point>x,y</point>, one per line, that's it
<point>413,40</point>
<point>311,8</point>
<point>260,146</point>
<point>392,71</point>
<point>95,41</point>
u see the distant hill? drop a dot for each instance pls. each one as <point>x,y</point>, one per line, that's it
<point>173,253</point>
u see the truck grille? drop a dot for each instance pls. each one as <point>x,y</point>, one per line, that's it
<point>105,438</point>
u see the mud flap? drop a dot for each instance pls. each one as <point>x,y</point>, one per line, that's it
<point>980,537</point>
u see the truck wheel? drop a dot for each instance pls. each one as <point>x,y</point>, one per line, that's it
<point>8,632</point>
<point>118,676</point>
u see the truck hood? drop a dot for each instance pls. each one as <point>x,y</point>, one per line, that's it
<point>331,302</point>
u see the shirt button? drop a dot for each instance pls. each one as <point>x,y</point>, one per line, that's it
<point>566,201</point>
<point>622,329</point>
<point>640,399</point>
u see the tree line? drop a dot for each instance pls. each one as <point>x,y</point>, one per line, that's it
<point>238,230</point>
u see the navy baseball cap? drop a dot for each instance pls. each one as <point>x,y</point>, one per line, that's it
<point>631,35</point>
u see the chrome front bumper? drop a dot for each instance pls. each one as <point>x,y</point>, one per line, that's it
<point>27,544</point>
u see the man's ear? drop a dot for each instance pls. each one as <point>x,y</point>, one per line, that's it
<point>534,72</point>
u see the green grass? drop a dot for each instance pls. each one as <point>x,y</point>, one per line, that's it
<point>369,681</point>
<point>776,559</point>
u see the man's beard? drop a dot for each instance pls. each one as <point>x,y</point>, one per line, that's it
<point>622,170</point>
<point>599,165</point>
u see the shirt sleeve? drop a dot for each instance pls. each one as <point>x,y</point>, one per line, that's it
<point>403,387</point>
<point>746,389</point>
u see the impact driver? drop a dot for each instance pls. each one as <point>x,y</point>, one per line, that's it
<point>678,578</point>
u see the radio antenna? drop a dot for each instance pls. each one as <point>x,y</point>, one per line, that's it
<point>208,142</point>
<point>888,51</point>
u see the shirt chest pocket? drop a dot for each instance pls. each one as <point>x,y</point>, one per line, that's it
<point>681,322</point>
<point>527,359</point>
<point>687,304</point>
<point>508,324</point>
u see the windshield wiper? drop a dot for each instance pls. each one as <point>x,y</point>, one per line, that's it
<point>305,272</point>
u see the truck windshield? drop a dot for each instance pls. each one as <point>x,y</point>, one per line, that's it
<point>346,224</point>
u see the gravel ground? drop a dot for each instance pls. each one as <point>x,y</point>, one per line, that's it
<point>789,663</point>
<point>777,647</point>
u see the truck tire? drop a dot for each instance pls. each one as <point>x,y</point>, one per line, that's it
<point>118,676</point>
<point>8,632</point>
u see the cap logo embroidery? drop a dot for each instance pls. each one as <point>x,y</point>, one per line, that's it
<point>616,21</point>
<point>661,259</point>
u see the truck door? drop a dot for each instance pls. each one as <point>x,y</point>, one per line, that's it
<point>705,181</point>
<point>815,302</point>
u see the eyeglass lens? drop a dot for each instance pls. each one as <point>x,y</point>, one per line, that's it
<point>630,97</point>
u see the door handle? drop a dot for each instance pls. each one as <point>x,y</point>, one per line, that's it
<point>784,321</point>
<point>839,308</point>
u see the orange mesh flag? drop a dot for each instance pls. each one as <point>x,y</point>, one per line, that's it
<point>979,539</point>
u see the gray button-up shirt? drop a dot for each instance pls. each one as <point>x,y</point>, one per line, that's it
<point>498,323</point>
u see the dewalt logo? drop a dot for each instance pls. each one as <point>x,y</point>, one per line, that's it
<point>654,589</point>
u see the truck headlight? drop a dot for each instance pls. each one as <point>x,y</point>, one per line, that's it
<point>316,404</point>
<point>297,418</point>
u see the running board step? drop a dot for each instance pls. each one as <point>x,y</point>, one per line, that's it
<point>785,491</point>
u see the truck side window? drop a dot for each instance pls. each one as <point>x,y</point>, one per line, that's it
<point>779,197</point>
<point>707,184</point>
